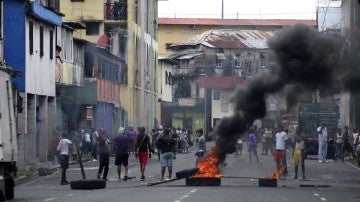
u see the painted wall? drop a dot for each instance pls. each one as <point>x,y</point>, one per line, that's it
<point>222,107</point>
<point>14,38</point>
<point>40,71</point>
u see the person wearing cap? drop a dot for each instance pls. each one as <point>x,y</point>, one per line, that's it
<point>122,153</point>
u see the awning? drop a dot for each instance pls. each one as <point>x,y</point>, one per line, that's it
<point>102,41</point>
<point>220,56</point>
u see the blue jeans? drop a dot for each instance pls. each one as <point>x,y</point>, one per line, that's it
<point>323,146</point>
<point>339,151</point>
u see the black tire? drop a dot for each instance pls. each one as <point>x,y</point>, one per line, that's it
<point>88,184</point>
<point>2,197</point>
<point>9,188</point>
<point>186,173</point>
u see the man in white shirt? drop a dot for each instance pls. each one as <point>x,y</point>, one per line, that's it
<point>63,148</point>
<point>279,157</point>
<point>323,142</point>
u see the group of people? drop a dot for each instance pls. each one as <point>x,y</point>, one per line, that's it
<point>344,144</point>
<point>277,144</point>
<point>126,142</point>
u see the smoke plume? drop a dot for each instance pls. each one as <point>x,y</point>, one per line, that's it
<point>301,58</point>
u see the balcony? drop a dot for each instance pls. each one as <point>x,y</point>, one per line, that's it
<point>115,11</point>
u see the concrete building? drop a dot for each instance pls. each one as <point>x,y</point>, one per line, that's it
<point>29,41</point>
<point>127,29</point>
<point>209,68</point>
<point>350,30</point>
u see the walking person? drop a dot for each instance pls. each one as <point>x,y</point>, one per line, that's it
<point>122,153</point>
<point>166,144</point>
<point>64,150</point>
<point>239,145</point>
<point>299,153</point>
<point>339,145</point>
<point>280,145</point>
<point>104,154</point>
<point>142,147</point>
<point>252,146</point>
<point>323,142</point>
<point>94,139</point>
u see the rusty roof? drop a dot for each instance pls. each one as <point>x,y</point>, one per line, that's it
<point>220,82</point>
<point>233,22</point>
<point>229,38</point>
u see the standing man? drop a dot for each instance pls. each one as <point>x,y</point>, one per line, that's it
<point>299,152</point>
<point>142,147</point>
<point>104,154</point>
<point>94,138</point>
<point>279,156</point>
<point>122,153</point>
<point>323,142</point>
<point>63,148</point>
<point>201,145</point>
<point>166,145</point>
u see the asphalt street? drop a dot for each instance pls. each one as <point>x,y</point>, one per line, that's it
<point>323,181</point>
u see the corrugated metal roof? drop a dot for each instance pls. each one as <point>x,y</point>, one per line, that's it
<point>233,22</point>
<point>189,56</point>
<point>229,39</point>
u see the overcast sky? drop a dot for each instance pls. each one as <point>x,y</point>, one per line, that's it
<point>255,9</point>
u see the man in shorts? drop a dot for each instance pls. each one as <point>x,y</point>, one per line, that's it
<point>122,153</point>
<point>142,148</point>
<point>279,156</point>
<point>166,144</point>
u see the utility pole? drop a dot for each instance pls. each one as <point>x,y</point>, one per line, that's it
<point>222,9</point>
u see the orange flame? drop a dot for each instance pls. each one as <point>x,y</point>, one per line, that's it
<point>277,174</point>
<point>208,166</point>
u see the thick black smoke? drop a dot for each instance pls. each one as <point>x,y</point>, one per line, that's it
<point>301,58</point>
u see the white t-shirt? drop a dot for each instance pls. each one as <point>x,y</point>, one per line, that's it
<point>281,137</point>
<point>63,146</point>
<point>323,136</point>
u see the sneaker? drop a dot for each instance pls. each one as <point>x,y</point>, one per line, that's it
<point>260,161</point>
<point>125,178</point>
<point>320,161</point>
<point>167,179</point>
<point>295,177</point>
<point>142,178</point>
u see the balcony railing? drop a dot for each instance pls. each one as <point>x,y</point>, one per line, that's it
<point>115,11</point>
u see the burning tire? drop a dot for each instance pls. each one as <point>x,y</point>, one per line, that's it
<point>9,188</point>
<point>88,184</point>
<point>203,181</point>
<point>186,173</point>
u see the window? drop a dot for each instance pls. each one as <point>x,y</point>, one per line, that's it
<point>41,41</point>
<point>185,31</point>
<point>262,60</point>
<point>168,45</point>
<point>92,28</point>
<point>196,31</point>
<point>166,77</point>
<point>31,37</point>
<point>51,44</point>
<point>237,61</point>
<point>216,95</point>
<point>219,59</point>
<point>169,30</point>
<point>184,63</point>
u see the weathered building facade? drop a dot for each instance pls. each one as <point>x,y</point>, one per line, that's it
<point>29,41</point>
<point>210,66</point>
